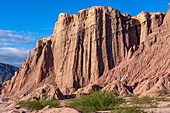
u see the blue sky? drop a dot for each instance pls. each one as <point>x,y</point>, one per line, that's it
<point>23,22</point>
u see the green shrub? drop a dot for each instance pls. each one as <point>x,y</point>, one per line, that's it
<point>6,99</point>
<point>37,105</point>
<point>128,110</point>
<point>135,100</point>
<point>129,95</point>
<point>146,99</point>
<point>138,95</point>
<point>96,101</point>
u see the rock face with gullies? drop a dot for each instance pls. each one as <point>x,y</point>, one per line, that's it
<point>87,47</point>
<point>148,69</point>
<point>148,23</point>
<point>4,85</point>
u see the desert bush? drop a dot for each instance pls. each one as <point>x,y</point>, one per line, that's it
<point>96,101</point>
<point>37,105</point>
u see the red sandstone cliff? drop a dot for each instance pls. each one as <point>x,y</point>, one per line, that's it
<point>148,69</point>
<point>100,45</point>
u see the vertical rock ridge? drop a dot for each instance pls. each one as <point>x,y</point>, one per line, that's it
<point>83,48</point>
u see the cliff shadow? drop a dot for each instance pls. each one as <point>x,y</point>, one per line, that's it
<point>99,42</point>
<point>109,41</point>
<point>133,30</point>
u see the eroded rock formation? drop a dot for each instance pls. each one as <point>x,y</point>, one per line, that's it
<point>148,71</point>
<point>99,45</point>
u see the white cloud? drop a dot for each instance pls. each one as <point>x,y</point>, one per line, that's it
<point>13,56</point>
<point>15,46</point>
<point>5,44</point>
<point>14,37</point>
<point>20,52</point>
<point>6,31</point>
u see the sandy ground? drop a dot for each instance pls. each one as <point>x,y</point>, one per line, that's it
<point>3,107</point>
<point>163,107</point>
<point>158,110</point>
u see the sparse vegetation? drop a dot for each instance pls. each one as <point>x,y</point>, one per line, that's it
<point>135,100</point>
<point>129,95</point>
<point>133,109</point>
<point>142,100</point>
<point>153,105</point>
<point>96,101</point>
<point>6,99</point>
<point>162,98</point>
<point>163,92</point>
<point>37,105</point>
<point>146,99</point>
<point>162,95</point>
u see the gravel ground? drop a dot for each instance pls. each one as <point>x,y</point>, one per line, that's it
<point>3,107</point>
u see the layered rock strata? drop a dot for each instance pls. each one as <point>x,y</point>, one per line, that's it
<point>86,47</point>
<point>148,69</point>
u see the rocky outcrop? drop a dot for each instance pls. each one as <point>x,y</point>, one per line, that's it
<point>148,23</point>
<point>4,85</point>
<point>167,17</point>
<point>148,70</point>
<point>87,90</point>
<point>93,47</point>
<point>45,92</point>
<point>7,72</point>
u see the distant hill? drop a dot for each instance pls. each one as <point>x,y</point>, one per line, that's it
<point>6,72</point>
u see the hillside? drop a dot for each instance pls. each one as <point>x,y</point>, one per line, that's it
<point>6,72</point>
